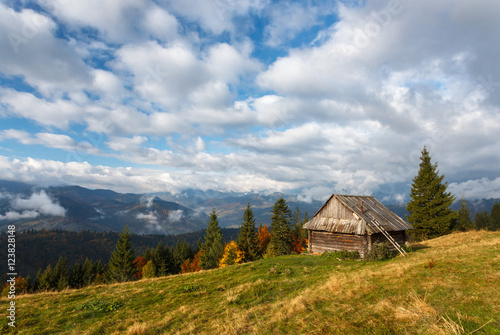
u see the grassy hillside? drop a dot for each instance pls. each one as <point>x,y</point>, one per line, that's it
<point>449,285</point>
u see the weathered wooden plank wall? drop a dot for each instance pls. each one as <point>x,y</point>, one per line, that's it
<point>399,236</point>
<point>323,241</point>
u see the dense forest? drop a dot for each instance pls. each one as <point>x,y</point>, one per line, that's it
<point>37,249</point>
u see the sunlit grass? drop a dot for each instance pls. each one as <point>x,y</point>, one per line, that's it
<point>458,294</point>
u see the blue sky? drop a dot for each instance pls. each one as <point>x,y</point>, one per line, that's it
<point>308,97</point>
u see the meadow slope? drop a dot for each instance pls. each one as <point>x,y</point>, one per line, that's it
<point>448,285</point>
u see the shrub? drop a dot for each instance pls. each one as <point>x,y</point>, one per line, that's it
<point>100,306</point>
<point>270,253</point>
<point>407,248</point>
<point>431,263</point>
<point>149,270</point>
<point>342,254</point>
<point>380,252</point>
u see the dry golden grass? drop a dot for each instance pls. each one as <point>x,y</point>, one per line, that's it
<point>137,329</point>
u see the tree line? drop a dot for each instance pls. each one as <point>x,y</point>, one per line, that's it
<point>44,247</point>
<point>285,236</point>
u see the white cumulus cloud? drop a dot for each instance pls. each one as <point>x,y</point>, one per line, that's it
<point>175,216</point>
<point>149,217</point>
<point>38,203</point>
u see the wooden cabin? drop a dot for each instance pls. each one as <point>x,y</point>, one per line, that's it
<point>354,223</point>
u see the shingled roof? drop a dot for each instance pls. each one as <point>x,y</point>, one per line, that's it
<point>352,214</point>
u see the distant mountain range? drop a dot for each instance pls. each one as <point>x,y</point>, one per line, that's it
<point>76,208</point>
<point>230,205</point>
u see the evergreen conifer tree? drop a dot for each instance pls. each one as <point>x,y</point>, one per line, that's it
<point>494,222</point>
<point>88,272</point>
<point>464,221</point>
<point>38,278</point>
<point>213,248</point>
<point>303,232</point>
<point>297,221</point>
<point>76,276</point>
<point>181,252</point>
<point>46,280</point>
<point>429,206</point>
<point>100,272</point>
<point>281,232</point>
<point>61,277</point>
<point>247,241</point>
<point>482,220</point>
<point>162,260</point>
<point>121,264</point>
<point>29,284</point>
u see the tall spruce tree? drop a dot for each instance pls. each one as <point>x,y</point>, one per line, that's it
<point>494,222</point>
<point>99,271</point>
<point>46,280</point>
<point>297,222</point>
<point>303,232</point>
<point>213,248</point>
<point>163,260</point>
<point>429,206</point>
<point>482,220</point>
<point>121,264</point>
<point>464,221</point>
<point>38,278</point>
<point>61,275</point>
<point>281,232</point>
<point>76,276</point>
<point>247,238</point>
<point>88,272</point>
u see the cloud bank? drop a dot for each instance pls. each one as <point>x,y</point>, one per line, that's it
<point>38,203</point>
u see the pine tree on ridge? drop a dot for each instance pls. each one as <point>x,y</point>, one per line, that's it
<point>429,207</point>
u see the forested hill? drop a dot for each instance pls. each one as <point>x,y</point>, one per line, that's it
<point>37,249</point>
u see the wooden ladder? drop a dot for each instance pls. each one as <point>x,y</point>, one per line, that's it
<point>389,237</point>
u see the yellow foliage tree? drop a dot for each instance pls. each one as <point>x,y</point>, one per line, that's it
<point>149,270</point>
<point>232,255</point>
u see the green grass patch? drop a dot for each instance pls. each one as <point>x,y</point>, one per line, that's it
<point>99,306</point>
<point>342,255</point>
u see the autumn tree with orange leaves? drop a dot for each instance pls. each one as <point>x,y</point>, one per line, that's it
<point>264,237</point>
<point>192,265</point>
<point>139,263</point>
